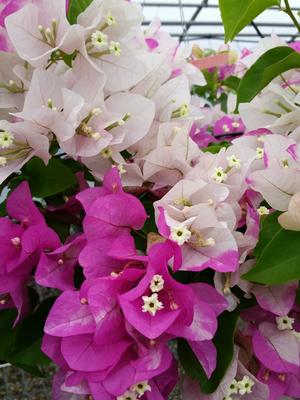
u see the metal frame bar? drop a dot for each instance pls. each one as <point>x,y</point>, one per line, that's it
<point>192,20</point>
<point>220,35</point>
<point>186,35</point>
<point>218,23</point>
<point>193,5</point>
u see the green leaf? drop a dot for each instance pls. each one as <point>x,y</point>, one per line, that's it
<point>3,212</point>
<point>214,148</point>
<point>224,342</point>
<point>236,14</point>
<point>232,82</point>
<point>69,58</point>
<point>76,7</point>
<point>150,225</point>
<point>277,254</point>
<point>271,64</point>
<point>7,333</point>
<point>48,180</point>
<point>27,346</point>
<point>298,296</point>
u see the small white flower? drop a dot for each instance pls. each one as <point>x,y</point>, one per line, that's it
<point>141,388</point>
<point>110,19</point>
<point>157,283</point>
<point>233,388</point>
<point>180,234</point>
<point>285,323</point>
<point>259,153</point>
<point>3,161</point>
<point>128,395</point>
<point>210,242</point>
<point>152,304</point>
<point>234,162</point>
<point>16,241</point>
<point>96,111</point>
<point>296,334</point>
<point>121,169</point>
<point>219,175</point>
<point>184,110</point>
<point>226,128</point>
<point>236,124</point>
<point>261,138</point>
<point>245,385</point>
<point>115,48</point>
<point>176,130</point>
<point>99,39</point>
<point>263,210</point>
<point>106,153</point>
<point>182,201</point>
<point>96,135</point>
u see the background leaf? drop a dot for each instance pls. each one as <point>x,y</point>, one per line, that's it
<point>277,253</point>
<point>236,14</point>
<point>48,180</point>
<point>76,7</point>
<point>270,65</point>
<point>223,341</point>
<point>21,346</point>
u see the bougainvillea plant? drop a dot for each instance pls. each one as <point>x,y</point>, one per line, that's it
<point>150,212</point>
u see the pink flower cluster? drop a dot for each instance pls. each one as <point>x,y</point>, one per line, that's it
<point>111,337</point>
<point>114,101</point>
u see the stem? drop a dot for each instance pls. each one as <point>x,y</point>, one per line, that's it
<point>140,234</point>
<point>288,85</point>
<point>289,12</point>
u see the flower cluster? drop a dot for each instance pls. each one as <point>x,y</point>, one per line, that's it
<point>165,224</point>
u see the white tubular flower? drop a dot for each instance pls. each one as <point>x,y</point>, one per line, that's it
<point>234,387</point>
<point>226,128</point>
<point>219,175</point>
<point>3,161</point>
<point>95,135</point>
<point>259,153</point>
<point>128,395</point>
<point>296,334</point>
<point>285,323</point>
<point>245,385</point>
<point>184,110</point>
<point>110,20</point>
<point>99,39</point>
<point>141,388</point>
<point>157,283</point>
<point>121,169</point>
<point>210,242</point>
<point>106,153</point>
<point>6,139</point>
<point>236,124</point>
<point>263,211</point>
<point>115,48</point>
<point>16,241</point>
<point>96,111</point>
<point>182,202</point>
<point>152,304</point>
<point>234,162</point>
<point>180,234</point>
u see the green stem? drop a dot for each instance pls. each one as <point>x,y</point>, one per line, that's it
<point>290,13</point>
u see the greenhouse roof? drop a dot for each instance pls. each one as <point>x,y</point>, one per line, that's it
<point>200,20</point>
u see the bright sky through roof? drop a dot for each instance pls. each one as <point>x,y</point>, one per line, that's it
<point>208,22</point>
